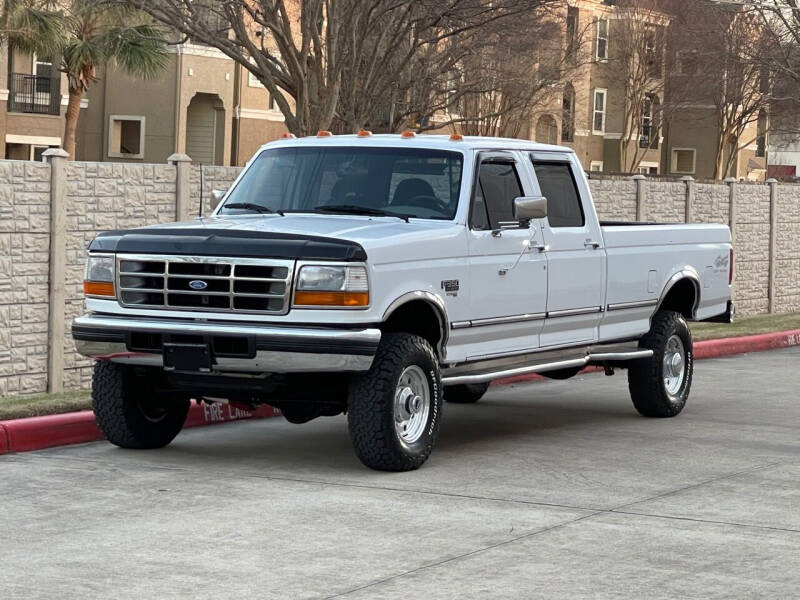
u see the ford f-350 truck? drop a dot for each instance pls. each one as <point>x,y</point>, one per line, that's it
<point>381,275</point>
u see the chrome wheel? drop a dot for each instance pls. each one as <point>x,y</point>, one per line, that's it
<point>674,365</point>
<point>412,404</point>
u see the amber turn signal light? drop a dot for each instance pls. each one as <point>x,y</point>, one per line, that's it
<point>331,298</point>
<point>98,288</point>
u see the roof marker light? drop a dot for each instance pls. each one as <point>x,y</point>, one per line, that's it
<point>288,136</point>
<point>324,134</point>
<point>408,134</point>
<point>364,133</point>
<point>456,137</point>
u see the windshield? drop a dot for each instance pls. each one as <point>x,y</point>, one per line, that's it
<point>405,182</point>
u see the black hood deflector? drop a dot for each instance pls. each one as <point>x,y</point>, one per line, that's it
<point>227,242</point>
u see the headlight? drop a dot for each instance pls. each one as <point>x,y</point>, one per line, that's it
<point>332,286</point>
<point>99,277</point>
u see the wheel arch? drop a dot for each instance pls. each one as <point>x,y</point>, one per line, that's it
<point>422,313</point>
<point>681,293</point>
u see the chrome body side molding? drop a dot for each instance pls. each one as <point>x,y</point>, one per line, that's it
<point>630,305</point>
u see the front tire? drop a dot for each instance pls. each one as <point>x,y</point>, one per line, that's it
<point>394,410</point>
<point>130,413</point>
<point>468,393</point>
<point>660,385</point>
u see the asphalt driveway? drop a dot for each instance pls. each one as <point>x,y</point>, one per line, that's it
<point>544,490</point>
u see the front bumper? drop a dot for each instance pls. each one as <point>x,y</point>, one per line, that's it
<point>235,347</point>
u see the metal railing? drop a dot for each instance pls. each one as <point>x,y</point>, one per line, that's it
<point>33,94</point>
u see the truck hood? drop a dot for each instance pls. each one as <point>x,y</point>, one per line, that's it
<point>298,236</point>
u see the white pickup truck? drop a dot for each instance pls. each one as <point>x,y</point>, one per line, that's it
<point>380,275</point>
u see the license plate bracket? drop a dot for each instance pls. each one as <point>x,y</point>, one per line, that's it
<point>187,357</point>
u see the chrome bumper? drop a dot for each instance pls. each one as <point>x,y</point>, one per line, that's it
<point>263,349</point>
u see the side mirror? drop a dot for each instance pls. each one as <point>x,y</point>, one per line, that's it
<point>530,207</point>
<point>217,196</point>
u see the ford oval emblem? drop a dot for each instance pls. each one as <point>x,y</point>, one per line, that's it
<point>196,284</point>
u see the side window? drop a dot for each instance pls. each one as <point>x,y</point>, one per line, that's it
<point>564,207</point>
<point>497,188</point>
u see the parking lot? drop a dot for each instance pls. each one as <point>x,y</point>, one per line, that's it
<point>542,490</point>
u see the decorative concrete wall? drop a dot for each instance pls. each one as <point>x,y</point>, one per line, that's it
<point>101,197</point>
<point>206,179</point>
<point>24,258</point>
<point>41,265</point>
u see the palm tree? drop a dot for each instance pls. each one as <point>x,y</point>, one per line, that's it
<point>81,36</point>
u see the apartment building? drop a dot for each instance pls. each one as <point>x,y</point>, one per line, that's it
<point>32,106</point>
<point>204,105</point>
<point>593,113</point>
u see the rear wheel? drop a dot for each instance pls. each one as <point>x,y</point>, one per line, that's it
<point>394,410</point>
<point>130,412</point>
<point>468,393</point>
<point>660,385</point>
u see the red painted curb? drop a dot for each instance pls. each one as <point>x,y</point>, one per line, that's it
<point>37,433</point>
<point>749,343</point>
<point>706,349</point>
<point>3,439</point>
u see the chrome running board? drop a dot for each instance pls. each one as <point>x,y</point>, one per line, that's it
<point>543,367</point>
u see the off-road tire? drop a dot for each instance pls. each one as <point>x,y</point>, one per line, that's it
<point>370,408</point>
<point>118,401</point>
<point>468,393</point>
<point>646,376</point>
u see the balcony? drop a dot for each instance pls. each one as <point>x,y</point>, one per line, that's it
<point>34,95</point>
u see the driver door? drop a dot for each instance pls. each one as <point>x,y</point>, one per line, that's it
<point>508,272</point>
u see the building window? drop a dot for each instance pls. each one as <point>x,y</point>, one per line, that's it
<point>126,137</point>
<point>572,31</point>
<point>568,114</point>
<point>599,113</point>
<point>761,140</point>
<point>647,168</point>
<point>596,166</point>
<point>687,62</point>
<point>683,160</point>
<point>210,16</point>
<point>602,39</point>
<point>649,137</point>
<point>653,51</point>
<point>273,104</point>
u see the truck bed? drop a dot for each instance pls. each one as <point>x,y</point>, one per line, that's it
<point>627,235</point>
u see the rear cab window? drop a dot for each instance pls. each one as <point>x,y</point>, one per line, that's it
<point>557,184</point>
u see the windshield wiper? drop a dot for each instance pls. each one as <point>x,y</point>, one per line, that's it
<point>251,207</point>
<point>352,209</point>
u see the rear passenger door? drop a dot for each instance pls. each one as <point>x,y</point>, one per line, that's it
<point>508,276</point>
<point>575,257</point>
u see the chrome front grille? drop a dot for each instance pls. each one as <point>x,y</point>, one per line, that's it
<point>245,285</point>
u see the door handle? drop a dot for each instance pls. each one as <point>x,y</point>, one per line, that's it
<point>591,244</point>
<point>540,247</point>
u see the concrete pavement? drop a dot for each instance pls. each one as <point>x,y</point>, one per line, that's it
<point>544,490</point>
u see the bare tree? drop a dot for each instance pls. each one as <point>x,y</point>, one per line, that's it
<point>514,72</point>
<point>742,92</point>
<point>331,59</point>
<point>637,70</point>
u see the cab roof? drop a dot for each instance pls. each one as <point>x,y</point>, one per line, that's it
<point>440,142</point>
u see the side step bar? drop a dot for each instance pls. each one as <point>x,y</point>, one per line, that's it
<point>596,358</point>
